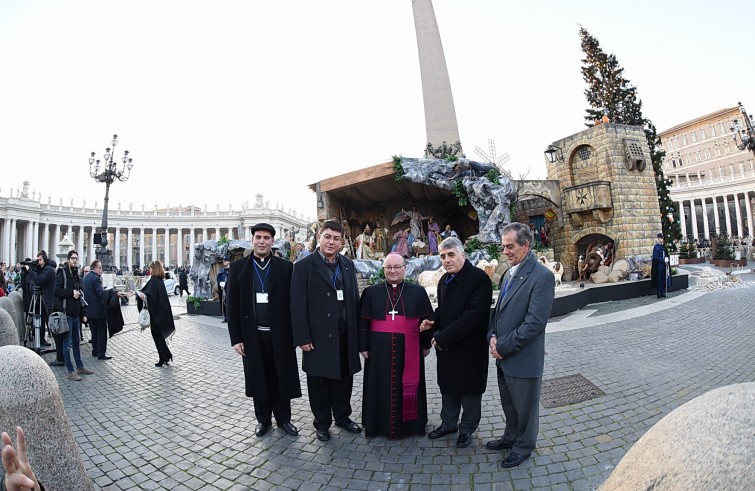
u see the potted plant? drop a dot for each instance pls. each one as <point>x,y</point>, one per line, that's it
<point>724,253</point>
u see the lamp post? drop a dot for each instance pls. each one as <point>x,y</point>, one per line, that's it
<point>744,137</point>
<point>554,154</point>
<point>108,173</point>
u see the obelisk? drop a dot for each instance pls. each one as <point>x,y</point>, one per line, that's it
<point>440,114</point>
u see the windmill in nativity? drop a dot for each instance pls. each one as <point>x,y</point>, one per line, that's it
<point>494,160</point>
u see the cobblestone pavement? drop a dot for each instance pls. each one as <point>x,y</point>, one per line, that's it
<point>189,427</point>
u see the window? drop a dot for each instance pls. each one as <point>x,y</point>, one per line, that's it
<point>689,158</point>
<point>693,136</point>
<point>684,140</point>
<point>712,131</point>
<point>717,149</point>
<point>707,153</point>
<point>698,158</point>
<point>702,134</point>
<point>676,143</point>
<point>721,128</point>
<point>584,153</point>
<point>673,161</point>
<point>726,148</point>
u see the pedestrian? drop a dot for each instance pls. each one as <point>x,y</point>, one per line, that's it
<point>459,325</point>
<point>517,342</point>
<point>660,279</point>
<point>395,401</point>
<point>160,313</point>
<point>96,311</point>
<point>222,278</point>
<point>43,276</point>
<point>183,282</point>
<point>259,324</point>
<point>324,303</point>
<point>67,295</point>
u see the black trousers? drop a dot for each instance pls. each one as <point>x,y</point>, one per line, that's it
<point>161,345</point>
<point>332,396</point>
<point>451,405</point>
<point>98,328</point>
<point>520,399</point>
<point>273,404</point>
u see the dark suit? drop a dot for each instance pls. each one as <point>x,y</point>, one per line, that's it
<point>317,318</point>
<point>270,368</point>
<point>461,321</point>
<point>96,313</point>
<point>519,326</point>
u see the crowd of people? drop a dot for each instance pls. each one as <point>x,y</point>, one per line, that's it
<point>275,306</point>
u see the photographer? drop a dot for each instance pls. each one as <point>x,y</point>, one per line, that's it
<point>68,289</point>
<point>43,275</point>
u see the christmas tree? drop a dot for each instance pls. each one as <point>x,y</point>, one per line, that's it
<point>723,248</point>
<point>612,95</point>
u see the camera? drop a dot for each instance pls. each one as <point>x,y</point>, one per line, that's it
<point>31,262</point>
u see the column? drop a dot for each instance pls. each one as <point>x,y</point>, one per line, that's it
<point>117,240</point>
<point>192,233</point>
<point>12,243</point>
<point>738,213</point>
<point>706,228</point>
<point>6,242</point>
<point>180,247</point>
<point>693,214</point>
<point>167,248</point>
<point>748,209</point>
<point>35,237</point>
<point>682,219</point>
<point>142,245</point>
<point>204,234</point>
<point>46,237</point>
<point>91,252</point>
<point>154,243</point>
<point>726,214</point>
<point>130,249</point>
<point>247,232</point>
<point>80,246</point>
<point>715,215</point>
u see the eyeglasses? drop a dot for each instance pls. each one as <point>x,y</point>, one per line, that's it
<point>393,268</point>
<point>75,258</point>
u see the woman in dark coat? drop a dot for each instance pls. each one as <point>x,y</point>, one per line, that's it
<point>160,313</point>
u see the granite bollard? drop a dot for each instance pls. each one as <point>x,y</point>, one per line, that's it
<point>707,443</point>
<point>17,297</point>
<point>30,398</point>
<point>8,333</point>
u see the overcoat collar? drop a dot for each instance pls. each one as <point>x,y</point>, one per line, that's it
<point>247,274</point>
<point>324,271</point>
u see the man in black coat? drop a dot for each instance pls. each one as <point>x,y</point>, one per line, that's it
<point>459,326</point>
<point>183,282</point>
<point>96,311</point>
<point>259,322</point>
<point>324,307</point>
<point>43,276</point>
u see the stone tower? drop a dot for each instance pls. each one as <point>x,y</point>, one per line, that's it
<point>440,114</point>
<point>608,192</point>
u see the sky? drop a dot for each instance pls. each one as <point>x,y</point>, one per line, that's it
<point>219,101</point>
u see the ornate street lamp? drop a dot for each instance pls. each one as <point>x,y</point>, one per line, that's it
<point>108,173</point>
<point>744,137</point>
<point>554,154</point>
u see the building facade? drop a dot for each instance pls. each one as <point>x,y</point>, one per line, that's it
<point>713,181</point>
<point>136,237</point>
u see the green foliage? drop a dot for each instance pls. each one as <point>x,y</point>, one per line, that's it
<point>398,169</point>
<point>539,247</point>
<point>610,94</point>
<point>378,277</point>
<point>724,249</point>
<point>460,193</point>
<point>674,271</point>
<point>692,250</point>
<point>196,301</point>
<point>223,240</point>
<point>493,176</point>
<point>493,250</point>
<point>473,244</point>
<point>512,211</point>
<point>684,251</point>
<point>451,158</point>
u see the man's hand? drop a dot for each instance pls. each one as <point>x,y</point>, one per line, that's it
<point>239,348</point>
<point>18,473</point>
<point>307,347</point>
<point>365,354</point>
<point>436,345</point>
<point>493,350</point>
<point>76,294</point>
<point>426,325</point>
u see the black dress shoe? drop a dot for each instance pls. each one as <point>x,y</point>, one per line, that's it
<point>109,358</point>
<point>351,427</point>
<point>513,460</point>
<point>440,431</point>
<point>261,429</point>
<point>94,355</point>
<point>45,344</point>
<point>57,363</point>
<point>464,440</point>
<point>323,436</point>
<point>498,444</point>
<point>289,428</point>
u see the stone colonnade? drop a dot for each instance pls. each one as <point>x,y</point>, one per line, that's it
<point>704,215</point>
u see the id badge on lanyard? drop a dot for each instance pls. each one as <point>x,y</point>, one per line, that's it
<point>261,297</point>
<point>339,295</point>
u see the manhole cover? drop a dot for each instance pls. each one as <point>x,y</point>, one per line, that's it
<point>571,389</point>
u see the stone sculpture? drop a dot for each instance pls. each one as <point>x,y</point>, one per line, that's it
<point>17,297</point>
<point>9,306</point>
<point>555,267</point>
<point>30,398</point>
<point>8,332</point>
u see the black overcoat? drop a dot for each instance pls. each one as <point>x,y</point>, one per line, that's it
<point>158,305</point>
<point>460,329</point>
<point>315,315</point>
<point>242,326</point>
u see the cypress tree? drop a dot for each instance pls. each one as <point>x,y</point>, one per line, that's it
<point>609,93</point>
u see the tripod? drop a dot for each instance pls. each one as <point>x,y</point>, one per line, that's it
<point>34,326</point>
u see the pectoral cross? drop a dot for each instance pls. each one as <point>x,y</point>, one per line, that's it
<point>393,314</point>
